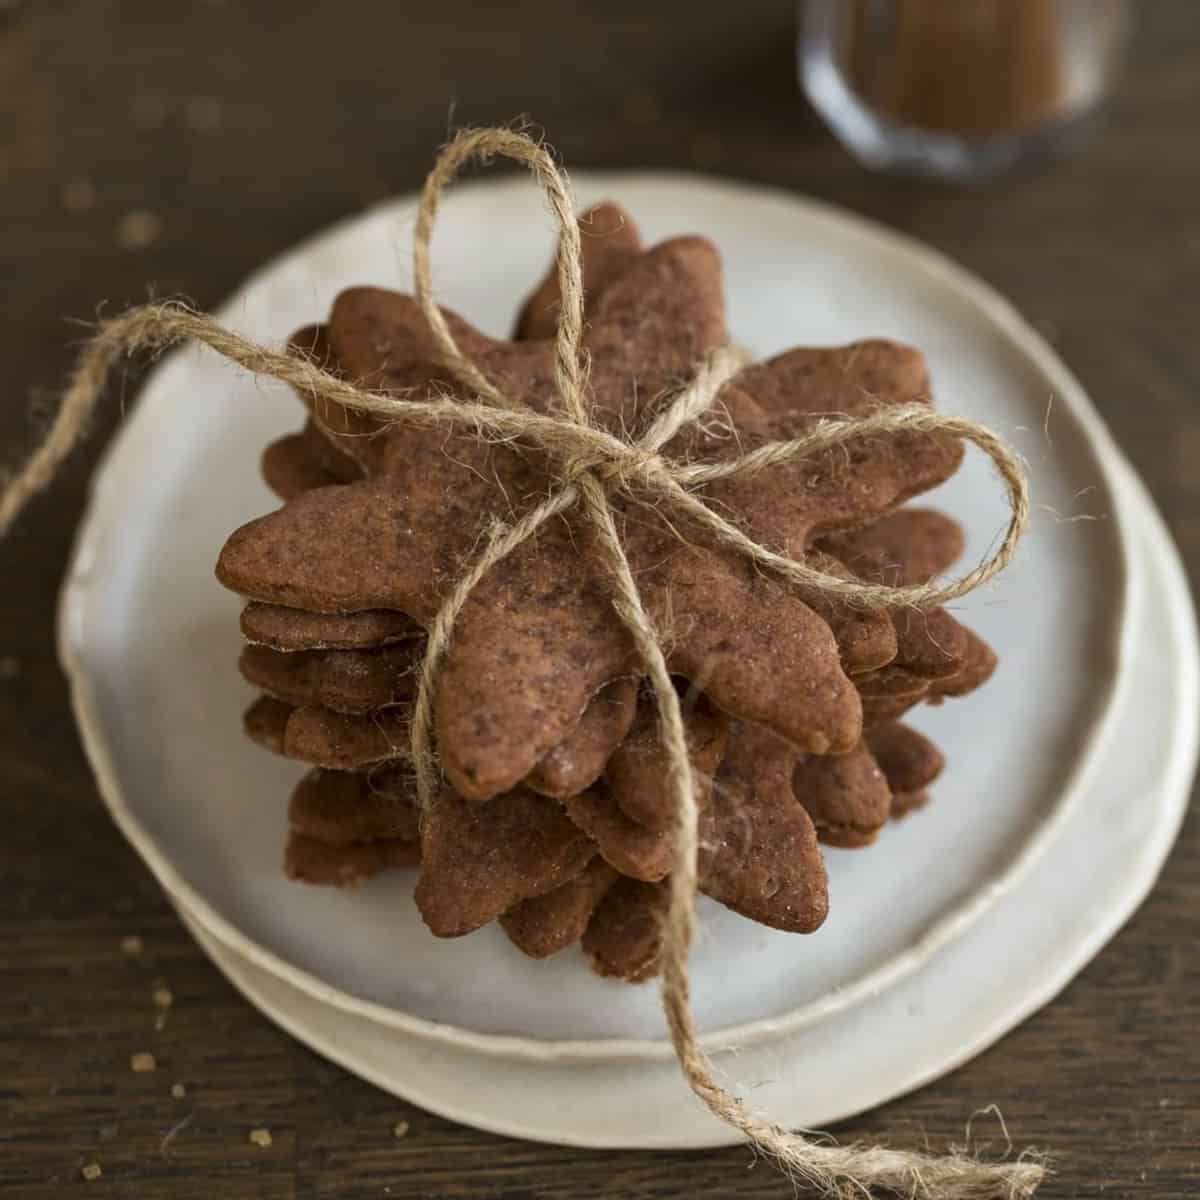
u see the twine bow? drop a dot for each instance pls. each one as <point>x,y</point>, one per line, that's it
<point>592,465</point>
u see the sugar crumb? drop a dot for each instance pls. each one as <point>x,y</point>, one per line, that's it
<point>260,1137</point>
<point>139,229</point>
<point>178,1091</point>
<point>91,1171</point>
<point>400,1129</point>
<point>132,945</point>
<point>142,1062</point>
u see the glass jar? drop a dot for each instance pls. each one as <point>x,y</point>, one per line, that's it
<point>959,87</point>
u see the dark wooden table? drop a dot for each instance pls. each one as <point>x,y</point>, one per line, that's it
<point>176,147</point>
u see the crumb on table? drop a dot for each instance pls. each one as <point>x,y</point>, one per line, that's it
<point>138,230</point>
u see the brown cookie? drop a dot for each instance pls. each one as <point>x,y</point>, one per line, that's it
<point>889,693</point>
<point>342,807</point>
<point>328,739</point>
<point>344,743</point>
<point>846,795</point>
<point>909,760</point>
<point>347,681</point>
<point>905,548</point>
<point>893,681</point>
<point>339,440</point>
<point>866,637</point>
<point>637,770</point>
<point>578,761</point>
<point>265,722</point>
<point>849,485</point>
<point>634,850</point>
<point>929,644</point>
<point>323,451</point>
<point>477,861</point>
<point>544,925</point>
<point>289,469</point>
<point>293,629</point>
<point>302,461</point>
<point>936,656</point>
<point>624,936</point>
<point>979,663</point>
<point>759,854</point>
<point>904,803</point>
<point>311,342</point>
<point>609,241</point>
<point>883,709</point>
<point>310,861</point>
<point>908,548</point>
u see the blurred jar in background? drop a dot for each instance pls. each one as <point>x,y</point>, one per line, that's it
<point>959,87</point>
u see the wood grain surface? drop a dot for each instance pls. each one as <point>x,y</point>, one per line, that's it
<point>174,147</point>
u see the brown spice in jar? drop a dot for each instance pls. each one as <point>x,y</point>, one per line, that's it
<point>977,68</point>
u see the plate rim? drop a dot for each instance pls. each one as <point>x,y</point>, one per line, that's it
<point>992,307</point>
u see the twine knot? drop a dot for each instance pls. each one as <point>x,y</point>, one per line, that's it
<point>618,466</point>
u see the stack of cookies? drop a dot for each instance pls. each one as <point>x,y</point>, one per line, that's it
<point>554,817</point>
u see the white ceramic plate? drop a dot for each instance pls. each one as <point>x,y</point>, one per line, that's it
<point>149,639</point>
<point>1012,961</point>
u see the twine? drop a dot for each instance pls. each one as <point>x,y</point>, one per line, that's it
<point>593,465</point>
